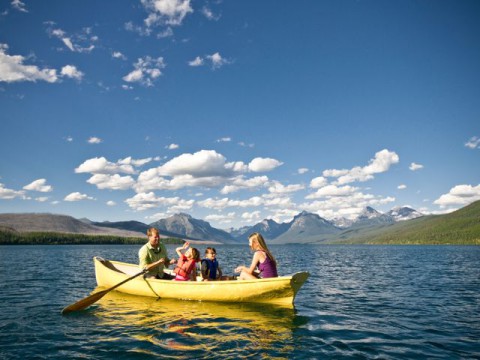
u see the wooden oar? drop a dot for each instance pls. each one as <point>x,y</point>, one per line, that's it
<point>89,300</point>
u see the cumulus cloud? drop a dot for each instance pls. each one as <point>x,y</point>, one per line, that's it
<point>172,146</point>
<point>459,195</point>
<point>147,70</point>
<point>241,183</point>
<point>71,71</point>
<point>414,167</point>
<point>198,61</point>
<point>112,182</point>
<point>38,185</point>
<point>219,204</point>
<point>12,69</point>
<point>333,190</point>
<point>473,143</point>
<point>379,164</point>
<point>401,187</point>
<point>9,194</point>
<point>118,55</point>
<point>302,171</point>
<point>318,182</point>
<point>221,218</point>
<point>100,165</point>
<point>111,203</point>
<point>275,187</point>
<point>94,140</point>
<point>166,12</point>
<point>215,60</point>
<point>145,201</point>
<point>76,196</point>
<point>19,5</point>
<point>263,164</point>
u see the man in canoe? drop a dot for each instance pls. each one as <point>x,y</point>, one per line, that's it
<point>153,256</point>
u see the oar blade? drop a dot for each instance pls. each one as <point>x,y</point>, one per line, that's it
<point>84,303</point>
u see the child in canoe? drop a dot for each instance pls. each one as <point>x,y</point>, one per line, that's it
<point>210,268</point>
<point>186,265</point>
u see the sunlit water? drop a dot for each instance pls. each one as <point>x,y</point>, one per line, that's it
<point>361,302</point>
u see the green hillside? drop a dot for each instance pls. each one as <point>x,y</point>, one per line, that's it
<point>461,227</point>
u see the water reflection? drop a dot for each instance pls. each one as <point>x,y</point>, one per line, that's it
<point>199,327</point>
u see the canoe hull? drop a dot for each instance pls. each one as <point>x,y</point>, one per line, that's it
<point>281,290</point>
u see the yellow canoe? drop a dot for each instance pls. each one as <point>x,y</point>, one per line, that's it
<point>281,290</point>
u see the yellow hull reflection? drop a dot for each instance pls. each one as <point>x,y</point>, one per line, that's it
<point>198,327</point>
<point>279,291</point>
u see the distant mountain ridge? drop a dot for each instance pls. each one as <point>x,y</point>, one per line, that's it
<point>41,222</point>
<point>187,226</point>
<point>371,226</point>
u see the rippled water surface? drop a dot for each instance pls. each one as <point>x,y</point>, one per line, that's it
<point>361,302</point>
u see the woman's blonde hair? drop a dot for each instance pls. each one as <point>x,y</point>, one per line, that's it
<point>258,239</point>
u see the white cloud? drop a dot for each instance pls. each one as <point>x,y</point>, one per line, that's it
<point>201,163</point>
<point>198,61</point>
<point>318,182</point>
<point>118,55</point>
<point>134,162</point>
<point>302,171</point>
<point>251,217</point>
<point>263,164</point>
<point>8,194</point>
<point>381,163</point>
<point>166,12</point>
<point>401,187</point>
<point>414,167</point>
<point>41,199</point>
<point>241,183</point>
<point>172,147</point>
<point>94,140</point>
<point>473,143</point>
<point>19,5</point>
<point>72,72</point>
<point>333,190</point>
<point>221,218</point>
<point>112,182</point>
<point>224,139</point>
<point>76,196</point>
<point>12,69</point>
<point>147,70</point>
<point>217,60</point>
<point>275,187</point>
<point>38,185</point>
<point>145,201</point>
<point>111,203</point>
<point>103,166</point>
<point>219,204</point>
<point>459,195</point>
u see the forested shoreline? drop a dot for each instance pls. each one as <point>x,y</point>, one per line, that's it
<point>52,238</point>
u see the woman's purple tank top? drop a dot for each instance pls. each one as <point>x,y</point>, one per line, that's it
<point>268,269</point>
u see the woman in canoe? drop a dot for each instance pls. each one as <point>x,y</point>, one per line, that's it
<point>262,259</point>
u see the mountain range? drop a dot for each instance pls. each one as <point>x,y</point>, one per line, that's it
<point>304,228</point>
<point>398,226</point>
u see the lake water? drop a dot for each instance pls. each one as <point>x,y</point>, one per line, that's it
<point>361,302</point>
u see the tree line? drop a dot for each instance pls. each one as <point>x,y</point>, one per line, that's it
<point>52,238</point>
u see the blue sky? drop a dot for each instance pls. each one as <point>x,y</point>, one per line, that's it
<point>236,111</point>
